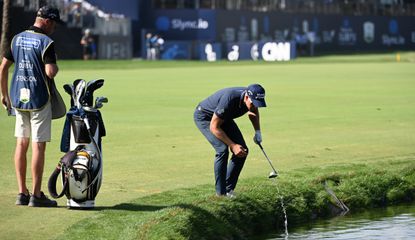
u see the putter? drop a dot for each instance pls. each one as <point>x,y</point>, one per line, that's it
<point>274,173</point>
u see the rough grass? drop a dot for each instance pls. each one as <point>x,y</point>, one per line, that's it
<point>195,213</point>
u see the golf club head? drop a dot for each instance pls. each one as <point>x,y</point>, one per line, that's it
<point>79,92</point>
<point>98,105</point>
<point>99,101</point>
<point>273,174</point>
<point>75,82</point>
<point>69,90</point>
<point>102,99</point>
<point>89,91</point>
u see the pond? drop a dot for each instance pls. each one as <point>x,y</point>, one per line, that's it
<point>396,222</point>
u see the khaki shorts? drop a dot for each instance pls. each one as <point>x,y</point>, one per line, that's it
<point>36,123</point>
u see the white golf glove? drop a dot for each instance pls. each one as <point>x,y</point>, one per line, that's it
<point>258,137</point>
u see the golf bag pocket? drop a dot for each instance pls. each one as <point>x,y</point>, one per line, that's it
<point>79,177</point>
<point>80,131</point>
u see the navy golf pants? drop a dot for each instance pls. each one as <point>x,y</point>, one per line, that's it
<point>226,176</point>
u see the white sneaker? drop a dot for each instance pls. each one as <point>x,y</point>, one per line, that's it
<point>231,194</point>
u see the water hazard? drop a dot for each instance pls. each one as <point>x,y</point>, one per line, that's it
<point>377,224</point>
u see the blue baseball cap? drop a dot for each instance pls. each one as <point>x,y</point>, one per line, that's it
<point>257,95</point>
<point>51,13</point>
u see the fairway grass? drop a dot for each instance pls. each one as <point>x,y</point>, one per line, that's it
<point>321,112</point>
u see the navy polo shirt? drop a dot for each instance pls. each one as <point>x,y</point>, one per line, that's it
<point>227,103</point>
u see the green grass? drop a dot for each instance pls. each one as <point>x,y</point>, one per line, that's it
<point>326,111</point>
<point>194,213</point>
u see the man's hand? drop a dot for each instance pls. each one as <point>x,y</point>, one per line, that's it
<point>238,150</point>
<point>5,101</point>
<point>258,137</point>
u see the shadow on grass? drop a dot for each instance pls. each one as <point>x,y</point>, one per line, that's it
<point>201,223</point>
<point>131,207</point>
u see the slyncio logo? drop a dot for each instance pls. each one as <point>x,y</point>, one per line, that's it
<point>346,23</point>
<point>164,23</point>
<point>393,27</point>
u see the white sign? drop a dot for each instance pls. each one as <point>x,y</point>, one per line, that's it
<point>183,25</point>
<point>369,32</point>
<point>234,54</point>
<point>210,54</point>
<point>272,51</point>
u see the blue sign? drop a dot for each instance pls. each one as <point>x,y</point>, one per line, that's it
<point>176,50</point>
<point>393,27</point>
<point>163,23</point>
<point>185,24</point>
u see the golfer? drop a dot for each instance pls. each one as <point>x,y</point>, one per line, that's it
<point>215,116</point>
<point>34,56</point>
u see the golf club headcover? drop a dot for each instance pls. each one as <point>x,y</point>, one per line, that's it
<point>257,137</point>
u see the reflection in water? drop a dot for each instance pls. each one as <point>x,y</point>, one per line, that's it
<point>377,224</point>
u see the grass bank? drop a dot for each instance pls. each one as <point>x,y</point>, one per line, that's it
<point>194,213</point>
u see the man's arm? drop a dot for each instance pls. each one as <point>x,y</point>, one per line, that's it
<point>51,70</point>
<point>4,81</point>
<point>254,117</point>
<point>49,58</point>
<point>215,128</point>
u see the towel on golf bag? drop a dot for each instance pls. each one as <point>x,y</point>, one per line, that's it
<point>73,113</point>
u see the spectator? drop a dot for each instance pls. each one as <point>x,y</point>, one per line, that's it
<point>159,46</point>
<point>153,47</point>
<point>148,46</point>
<point>88,44</point>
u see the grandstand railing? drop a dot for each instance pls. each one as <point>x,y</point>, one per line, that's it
<point>352,7</point>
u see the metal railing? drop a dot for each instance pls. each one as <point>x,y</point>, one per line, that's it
<point>352,7</point>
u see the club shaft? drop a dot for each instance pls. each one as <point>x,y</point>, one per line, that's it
<point>269,161</point>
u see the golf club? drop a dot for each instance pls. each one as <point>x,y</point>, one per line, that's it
<point>99,101</point>
<point>79,93</point>
<point>89,91</point>
<point>69,90</point>
<point>274,173</point>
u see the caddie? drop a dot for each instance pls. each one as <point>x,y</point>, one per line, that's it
<point>33,53</point>
<point>215,116</point>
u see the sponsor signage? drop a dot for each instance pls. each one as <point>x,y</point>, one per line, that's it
<point>347,35</point>
<point>27,43</point>
<point>185,24</point>
<point>209,51</point>
<point>267,36</point>
<point>267,51</point>
<point>326,33</point>
<point>175,50</point>
<point>393,37</point>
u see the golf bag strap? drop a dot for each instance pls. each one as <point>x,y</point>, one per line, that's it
<point>52,183</point>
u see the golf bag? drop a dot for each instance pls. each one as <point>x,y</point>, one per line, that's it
<point>81,166</point>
